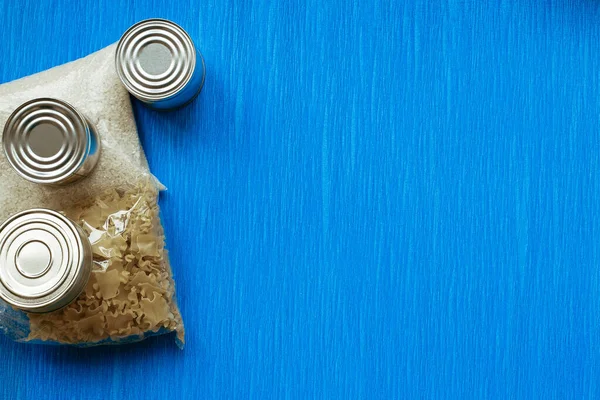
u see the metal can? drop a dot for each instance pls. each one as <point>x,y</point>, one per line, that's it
<point>47,141</point>
<point>45,261</point>
<point>159,65</point>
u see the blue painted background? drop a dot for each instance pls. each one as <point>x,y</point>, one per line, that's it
<point>370,199</point>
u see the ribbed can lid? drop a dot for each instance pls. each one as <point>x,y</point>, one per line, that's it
<point>45,261</point>
<point>155,59</point>
<point>46,140</point>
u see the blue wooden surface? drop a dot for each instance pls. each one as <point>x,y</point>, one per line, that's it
<point>370,199</point>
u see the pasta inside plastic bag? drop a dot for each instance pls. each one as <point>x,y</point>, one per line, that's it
<point>131,293</point>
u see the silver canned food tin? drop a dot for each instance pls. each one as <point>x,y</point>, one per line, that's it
<point>45,261</point>
<point>47,141</point>
<point>159,64</point>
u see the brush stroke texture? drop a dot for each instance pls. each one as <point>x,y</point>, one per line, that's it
<point>370,199</point>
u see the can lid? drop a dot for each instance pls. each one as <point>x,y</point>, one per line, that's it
<point>155,59</point>
<point>42,259</point>
<point>46,140</point>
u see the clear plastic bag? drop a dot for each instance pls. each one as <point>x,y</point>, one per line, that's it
<point>131,293</point>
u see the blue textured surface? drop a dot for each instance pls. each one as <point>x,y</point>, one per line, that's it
<point>369,200</point>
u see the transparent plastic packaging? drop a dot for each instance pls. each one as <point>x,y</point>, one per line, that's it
<point>131,292</point>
